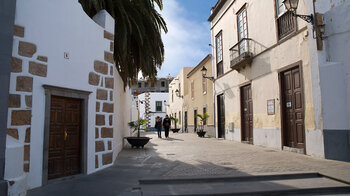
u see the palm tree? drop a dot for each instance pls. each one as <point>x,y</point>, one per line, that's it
<point>202,118</point>
<point>138,45</point>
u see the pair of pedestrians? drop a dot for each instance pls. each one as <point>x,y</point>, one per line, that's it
<point>166,124</point>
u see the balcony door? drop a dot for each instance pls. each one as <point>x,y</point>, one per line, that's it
<point>242,29</point>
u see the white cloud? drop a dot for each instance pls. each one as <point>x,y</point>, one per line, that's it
<point>186,42</point>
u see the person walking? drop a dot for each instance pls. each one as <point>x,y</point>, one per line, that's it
<point>166,125</point>
<point>158,126</point>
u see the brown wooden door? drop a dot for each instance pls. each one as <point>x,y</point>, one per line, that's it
<point>292,109</point>
<point>186,121</point>
<point>221,117</point>
<point>195,120</point>
<point>65,137</point>
<point>247,114</point>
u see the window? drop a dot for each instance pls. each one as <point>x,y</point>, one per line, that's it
<point>242,30</point>
<point>158,106</point>
<point>162,84</point>
<point>219,54</point>
<point>179,88</point>
<point>204,85</point>
<point>286,23</point>
<point>192,89</point>
<point>172,96</point>
<point>139,84</point>
<point>204,111</point>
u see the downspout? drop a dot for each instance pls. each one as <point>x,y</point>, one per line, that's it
<point>7,20</point>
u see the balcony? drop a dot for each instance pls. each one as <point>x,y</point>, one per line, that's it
<point>241,54</point>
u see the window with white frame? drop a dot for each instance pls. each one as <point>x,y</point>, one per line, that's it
<point>219,54</point>
<point>158,106</point>
<point>242,29</point>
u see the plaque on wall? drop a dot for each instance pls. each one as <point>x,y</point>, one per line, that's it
<point>271,107</point>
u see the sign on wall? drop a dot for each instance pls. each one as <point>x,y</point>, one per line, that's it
<point>271,107</point>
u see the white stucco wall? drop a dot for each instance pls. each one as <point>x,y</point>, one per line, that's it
<point>58,27</point>
<point>153,98</point>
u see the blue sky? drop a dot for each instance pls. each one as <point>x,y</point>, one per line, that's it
<point>186,43</point>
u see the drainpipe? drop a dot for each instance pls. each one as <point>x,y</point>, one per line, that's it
<point>7,20</point>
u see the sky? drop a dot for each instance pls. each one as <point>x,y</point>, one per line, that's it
<point>187,42</point>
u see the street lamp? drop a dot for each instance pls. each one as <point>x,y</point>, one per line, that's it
<point>292,6</point>
<point>204,74</point>
<point>177,92</point>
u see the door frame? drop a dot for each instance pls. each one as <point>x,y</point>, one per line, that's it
<point>280,71</point>
<point>241,111</point>
<point>219,121</point>
<point>68,93</point>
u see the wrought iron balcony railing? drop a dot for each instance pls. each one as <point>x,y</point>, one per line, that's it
<point>241,54</point>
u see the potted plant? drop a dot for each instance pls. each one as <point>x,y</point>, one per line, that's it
<point>200,129</point>
<point>175,120</point>
<point>137,141</point>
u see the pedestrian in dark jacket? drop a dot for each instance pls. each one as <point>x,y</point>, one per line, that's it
<point>158,126</point>
<point>166,125</point>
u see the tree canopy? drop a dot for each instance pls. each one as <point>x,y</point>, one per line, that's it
<point>138,45</point>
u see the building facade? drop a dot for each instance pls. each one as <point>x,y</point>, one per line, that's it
<point>330,72</point>
<point>176,105</point>
<point>263,76</point>
<point>143,85</point>
<point>151,105</point>
<point>67,110</point>
<point>199,99</point>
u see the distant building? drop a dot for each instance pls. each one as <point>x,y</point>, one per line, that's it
<point>143,85</point>
<point>152,105</point>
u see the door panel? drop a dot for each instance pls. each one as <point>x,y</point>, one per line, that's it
<point>64,137</point>
<point>247,114</point>
<point>221,116</point>
<point>292,109</point>
<point>195,120</point>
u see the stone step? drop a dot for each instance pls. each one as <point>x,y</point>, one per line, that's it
<point>280,184</point>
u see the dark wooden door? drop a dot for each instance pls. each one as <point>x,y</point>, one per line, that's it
<point>186,121</point>
<point>64,137</point>
<point>292,109</point>
<point>195,120</point>
<point>247,114</point>
<point>221,116</point>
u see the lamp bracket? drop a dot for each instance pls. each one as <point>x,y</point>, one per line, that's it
<point>307,18</point>
<point>209,78</point>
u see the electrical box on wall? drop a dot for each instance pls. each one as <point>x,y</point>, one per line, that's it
<point>231,127</point>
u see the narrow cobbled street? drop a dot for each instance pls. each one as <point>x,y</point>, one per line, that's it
<point>184,157</point>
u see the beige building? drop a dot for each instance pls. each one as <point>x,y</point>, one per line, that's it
<point>199,99</point>
<point>263,80</point>
<point>177,91</point>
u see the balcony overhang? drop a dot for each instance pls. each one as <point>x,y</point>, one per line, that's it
<point>243,60</point>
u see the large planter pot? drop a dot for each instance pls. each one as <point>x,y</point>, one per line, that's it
<point>201,133</point>
<point>138,141</point>
<point>175,130</point>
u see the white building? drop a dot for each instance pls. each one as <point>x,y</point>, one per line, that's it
<point>64,88</point>
<point>152,105</point>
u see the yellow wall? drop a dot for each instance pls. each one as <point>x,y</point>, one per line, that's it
<point>200,99</point>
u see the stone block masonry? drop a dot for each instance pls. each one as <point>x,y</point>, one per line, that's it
<point>103,81</point>
<point>25,68</point>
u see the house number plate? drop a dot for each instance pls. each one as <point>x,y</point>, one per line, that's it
<point>289,104</point>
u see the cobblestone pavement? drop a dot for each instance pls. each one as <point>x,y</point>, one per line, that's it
<point>210,156</point>
<point>185,154</point>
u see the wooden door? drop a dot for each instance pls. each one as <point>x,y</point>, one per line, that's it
<point>64,137</point>
<point>195,120</point>
<point>221,116</point>
<point>292,109</point>
<point>247,114</point>
<point>186,121</point>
